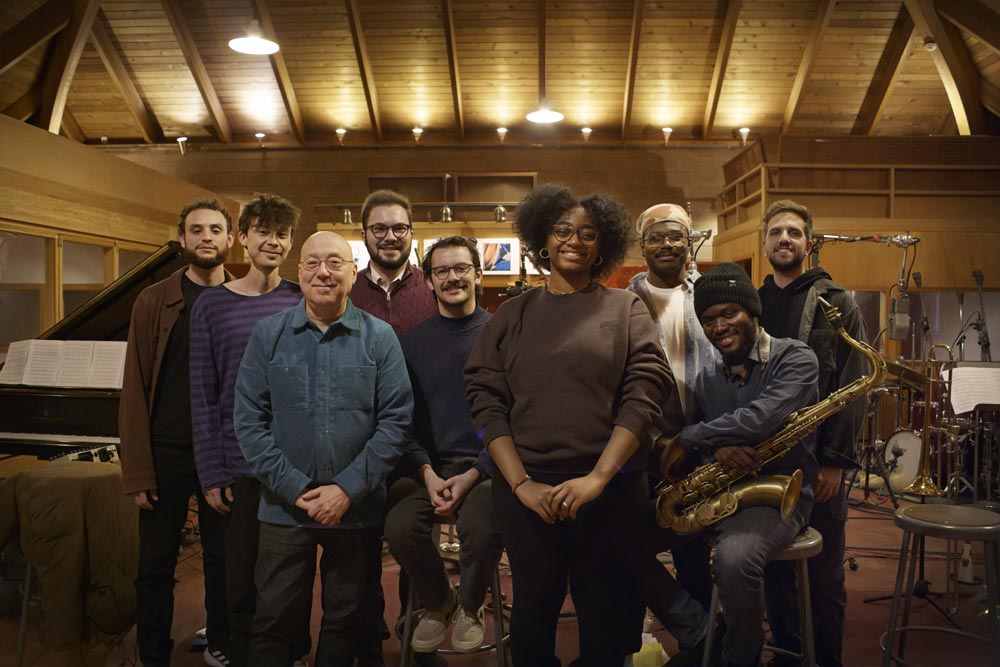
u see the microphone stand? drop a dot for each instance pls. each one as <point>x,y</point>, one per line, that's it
<point>960,342</point>
<point>980,323</point>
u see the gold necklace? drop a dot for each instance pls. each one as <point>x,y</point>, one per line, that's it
<point>558,293</point>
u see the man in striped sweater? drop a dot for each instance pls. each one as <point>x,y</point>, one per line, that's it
<point>221,322</point>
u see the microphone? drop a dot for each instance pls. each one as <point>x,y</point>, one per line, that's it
<point>918,279</point>
<point>838,237</point>
<point>702,235</point>
<point>899,316</point>
<point>899,240</point>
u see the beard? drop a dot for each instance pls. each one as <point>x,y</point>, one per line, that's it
<point>206,262</point>
<point>389,264</point>
<point>737,357</point>
<point>792,262</point>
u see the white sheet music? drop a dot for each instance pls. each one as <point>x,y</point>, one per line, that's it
<point>70,363</point>
<point>108,367</point>
<point>972,386</point>
<point>76,360</point>
<point>42,367</point>
<point>13,368</point>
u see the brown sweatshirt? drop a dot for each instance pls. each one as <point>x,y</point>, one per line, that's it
<point>558,373</point>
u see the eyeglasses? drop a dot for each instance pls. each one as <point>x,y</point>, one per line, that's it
<point>564,233</point>
<point>399,231</point>
<point>655,239</point>
<point>442,272</point>
<point>332,263</point>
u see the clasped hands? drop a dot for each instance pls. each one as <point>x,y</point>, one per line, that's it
<point>446,494</point>
<point>556,503</point>
<point>325,504</point>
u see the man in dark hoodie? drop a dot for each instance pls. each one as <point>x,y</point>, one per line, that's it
<point>790,309</point>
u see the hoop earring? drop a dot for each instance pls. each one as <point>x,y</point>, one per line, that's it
<point>598,261</point>
<point>544,253</point>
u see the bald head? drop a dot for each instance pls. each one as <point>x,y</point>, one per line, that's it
<point>327,286</point>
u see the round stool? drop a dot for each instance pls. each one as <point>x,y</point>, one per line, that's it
<point>951,522</point>
<point>806,544</point>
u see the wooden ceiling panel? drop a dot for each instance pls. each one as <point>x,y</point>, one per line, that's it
<point>315,38</point>
<point>96,104</point>
<point>918,103</point>
<point>497,49</point>
<point>409,61</point>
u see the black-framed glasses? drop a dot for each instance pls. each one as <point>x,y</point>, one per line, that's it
<point>399,231</point>
<point>442,272</point>
<point>674,237</point>
<point>564,233</point>
<point>332,263</point>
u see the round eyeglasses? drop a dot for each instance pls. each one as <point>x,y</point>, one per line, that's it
<point>379,231</point>
<point>564,233</point>
<point>442,272</point>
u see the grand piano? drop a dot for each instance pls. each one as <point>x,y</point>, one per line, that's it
<point>49,422</point>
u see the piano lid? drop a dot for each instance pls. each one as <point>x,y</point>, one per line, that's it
<point>106,316</point>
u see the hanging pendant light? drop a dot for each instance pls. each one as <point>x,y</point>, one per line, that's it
<point>253,44</point>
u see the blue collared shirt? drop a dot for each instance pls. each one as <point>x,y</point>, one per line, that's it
<point>781,378</point>
<point>316,408</point>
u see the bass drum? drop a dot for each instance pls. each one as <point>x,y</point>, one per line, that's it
<point>907,445</point>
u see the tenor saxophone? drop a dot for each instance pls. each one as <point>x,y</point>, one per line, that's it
<point>712,493</point>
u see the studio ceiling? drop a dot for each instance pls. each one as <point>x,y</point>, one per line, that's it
<point>148,71</point>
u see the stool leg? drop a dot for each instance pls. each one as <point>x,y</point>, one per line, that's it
<point>992,564</point>
<point>405,648</point>
<point>890,634</point>
<point>26,592</point>
<point>805,614</point>
<point>496,603</point>
<point>713,610</point>
<point>915,550</point>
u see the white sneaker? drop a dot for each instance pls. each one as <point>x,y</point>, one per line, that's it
<point>468,633</point>
<point>432,625</point>
<point>216,658</point>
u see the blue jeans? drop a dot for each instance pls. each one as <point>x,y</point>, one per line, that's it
<point>745,543</point>
<point>826,588</point>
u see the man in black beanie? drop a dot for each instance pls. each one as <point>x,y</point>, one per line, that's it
<point>743,401</point>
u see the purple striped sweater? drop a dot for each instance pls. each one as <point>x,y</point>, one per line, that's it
<point>221,324</point>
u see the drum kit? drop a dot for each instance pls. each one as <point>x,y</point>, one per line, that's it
<point>930,450</point>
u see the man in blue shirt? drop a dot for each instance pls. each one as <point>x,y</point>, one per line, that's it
<point>323,408</point>
<point>741,402</point>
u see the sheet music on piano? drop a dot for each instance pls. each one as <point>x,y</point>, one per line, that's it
<point>72,363</point>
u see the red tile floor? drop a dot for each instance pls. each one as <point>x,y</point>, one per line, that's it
<point>872,539</point>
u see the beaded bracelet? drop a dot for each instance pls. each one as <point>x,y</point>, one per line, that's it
<point>526,478</point>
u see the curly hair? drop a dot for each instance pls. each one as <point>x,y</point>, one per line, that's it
<point>541,209</point>
<point>204,204</point>
<point>789,206</point>
<point>270,210</point>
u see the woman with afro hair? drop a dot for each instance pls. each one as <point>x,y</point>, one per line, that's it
<point>563,384</point>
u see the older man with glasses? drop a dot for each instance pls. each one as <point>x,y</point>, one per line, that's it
<point>390,288</point>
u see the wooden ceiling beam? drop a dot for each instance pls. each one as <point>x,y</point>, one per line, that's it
<point>886,73</point>
<point>974,17</point>
<point>990,93</point>
<point>71,128</point>
<point>635,36</point>
<point>108,53</point>
<point>721,61</point>
<point>954,65</point>
<point>364,65</point>
<point>61,67</point>
<point>196,65</point>
<point>37,27</point>
<point>456,83</point>
<point>809,56</point>
<point>26,105</point>
<point>281,75</point>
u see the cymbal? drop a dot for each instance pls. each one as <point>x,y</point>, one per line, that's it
<point>906,376</point>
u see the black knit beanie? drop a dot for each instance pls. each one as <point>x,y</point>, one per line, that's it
<point>725,283</point>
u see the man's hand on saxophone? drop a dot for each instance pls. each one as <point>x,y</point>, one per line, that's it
<point>739,459</point>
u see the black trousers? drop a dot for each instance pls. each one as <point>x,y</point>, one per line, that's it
<point>826,588</point>
<point>598,553</point>
<point>410,523</point>
<point>159,543</point>
<point>286,568</point>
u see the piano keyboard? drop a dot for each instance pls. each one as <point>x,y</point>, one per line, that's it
<point>59,439</point>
